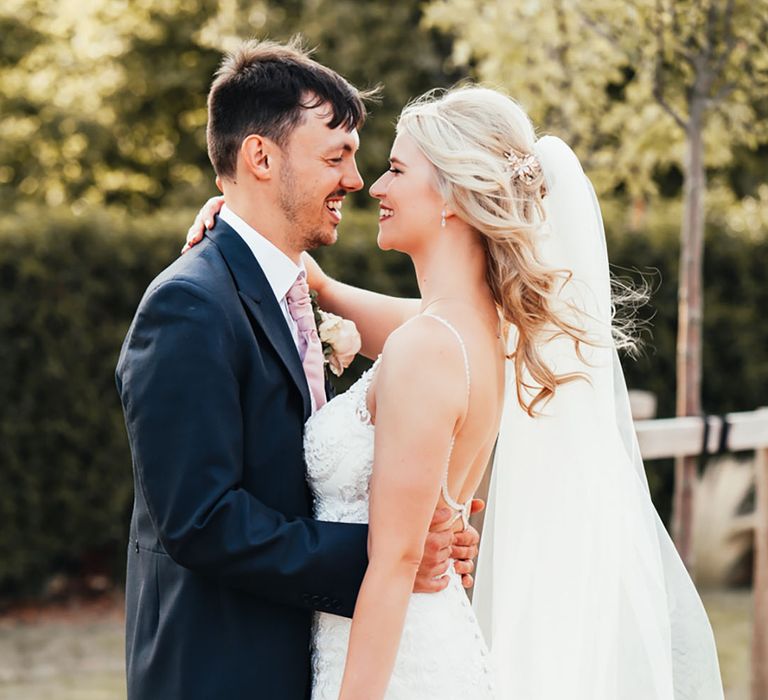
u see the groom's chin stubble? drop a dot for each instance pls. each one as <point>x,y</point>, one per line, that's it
<point>319,239</point>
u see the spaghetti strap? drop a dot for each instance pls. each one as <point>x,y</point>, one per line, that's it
<point>461,510</point>
<point>453,330</point>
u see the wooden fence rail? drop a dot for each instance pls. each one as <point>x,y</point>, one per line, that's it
<point>679,437</point>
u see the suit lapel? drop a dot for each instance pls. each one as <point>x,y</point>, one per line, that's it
<point>259,300</point>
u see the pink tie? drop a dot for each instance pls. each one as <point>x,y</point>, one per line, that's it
<point>310,347</point>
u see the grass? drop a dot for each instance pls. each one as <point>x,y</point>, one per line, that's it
<point>77,653</point>
<point>730,613</point>
<point>66,654</point>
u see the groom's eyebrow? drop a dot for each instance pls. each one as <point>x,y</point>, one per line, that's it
<point>347,147</point>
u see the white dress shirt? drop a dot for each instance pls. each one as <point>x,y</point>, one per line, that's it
<point>281,272</point>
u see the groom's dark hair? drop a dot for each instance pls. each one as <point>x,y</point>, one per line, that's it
<point>265,88</point>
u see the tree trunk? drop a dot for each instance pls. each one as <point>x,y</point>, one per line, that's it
<point>690,305</point>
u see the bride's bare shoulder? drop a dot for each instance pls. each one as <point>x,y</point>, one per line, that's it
<point>424,355</point>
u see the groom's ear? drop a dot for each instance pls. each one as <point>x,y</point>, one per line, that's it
<point>258,156</point>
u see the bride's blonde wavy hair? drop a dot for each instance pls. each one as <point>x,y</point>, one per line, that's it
<point>478,141</point>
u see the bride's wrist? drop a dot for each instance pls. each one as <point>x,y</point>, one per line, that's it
<point>316,278</point>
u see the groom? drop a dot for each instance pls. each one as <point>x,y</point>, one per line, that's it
<point>225,563</point>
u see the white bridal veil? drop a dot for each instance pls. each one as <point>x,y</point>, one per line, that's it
<point>580,591</point>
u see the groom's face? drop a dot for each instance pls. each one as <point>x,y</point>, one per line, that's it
<point>316,173</point>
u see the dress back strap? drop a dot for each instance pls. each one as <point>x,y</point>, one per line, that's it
<point>453,330</point>
<point>460,510</point>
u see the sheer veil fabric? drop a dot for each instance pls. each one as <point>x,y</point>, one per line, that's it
<point>580,591</point>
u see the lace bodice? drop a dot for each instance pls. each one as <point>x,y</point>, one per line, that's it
<point>338,450</point>
<point>442,653</point>
<point>338,447</point>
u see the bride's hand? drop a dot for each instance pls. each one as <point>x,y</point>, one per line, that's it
<point>203,222</point>
<point>316,278</point>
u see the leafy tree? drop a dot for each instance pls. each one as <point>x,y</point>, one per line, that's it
<point>637,87</point>
<point>103,103</point>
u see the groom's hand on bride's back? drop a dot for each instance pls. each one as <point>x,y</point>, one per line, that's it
<point>444,544</point>
<point>465,548</point>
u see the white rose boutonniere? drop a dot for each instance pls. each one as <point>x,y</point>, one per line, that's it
<point>339,337</point>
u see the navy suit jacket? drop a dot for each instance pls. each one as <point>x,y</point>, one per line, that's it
<point>225,563</point>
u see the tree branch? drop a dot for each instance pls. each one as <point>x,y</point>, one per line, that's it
<point>599,29</point>
<point>658,69</point>
<point>676,31</point>
<point>729,36</point>
<point>682,123</point>
<point>721,94</point>
<point>711,31</point>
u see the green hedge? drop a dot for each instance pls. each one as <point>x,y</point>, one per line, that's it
<point>735,346</point>
<point>68,289</point>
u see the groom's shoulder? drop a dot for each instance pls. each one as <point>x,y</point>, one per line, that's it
<point>201,271</point>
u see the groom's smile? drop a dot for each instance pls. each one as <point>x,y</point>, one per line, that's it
<point>319,170</point>
<point>334,207</point>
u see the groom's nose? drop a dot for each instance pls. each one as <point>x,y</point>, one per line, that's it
<point>351,180</point>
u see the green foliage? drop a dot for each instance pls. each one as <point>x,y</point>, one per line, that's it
<point>735,347</point>
<point>69,287</point>
<point>607,76</point>
<point>104,104</point>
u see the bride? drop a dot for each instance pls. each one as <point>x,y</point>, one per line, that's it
<point>580,593</point>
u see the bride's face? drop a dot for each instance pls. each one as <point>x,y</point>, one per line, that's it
<point>410,204</point>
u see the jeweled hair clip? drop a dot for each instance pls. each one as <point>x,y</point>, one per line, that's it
<point>526,168</point>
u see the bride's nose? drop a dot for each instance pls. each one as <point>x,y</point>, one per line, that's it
<point>377,189</point>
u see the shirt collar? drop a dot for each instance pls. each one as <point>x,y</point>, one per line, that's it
<point>281,272</point>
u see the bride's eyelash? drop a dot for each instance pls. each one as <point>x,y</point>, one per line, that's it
<point>395,170</point>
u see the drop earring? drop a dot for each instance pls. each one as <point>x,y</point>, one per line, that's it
<point>442,219</point>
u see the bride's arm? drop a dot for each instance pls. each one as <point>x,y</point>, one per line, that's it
<point>375,315</point>
<point>416,413</point>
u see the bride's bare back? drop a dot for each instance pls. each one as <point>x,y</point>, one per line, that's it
<point>474,354</point>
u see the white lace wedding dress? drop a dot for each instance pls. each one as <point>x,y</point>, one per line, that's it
<point>442,653</point>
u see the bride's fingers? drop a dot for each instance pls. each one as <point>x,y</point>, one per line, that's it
<point>467,581</point>
<point>210,209</point>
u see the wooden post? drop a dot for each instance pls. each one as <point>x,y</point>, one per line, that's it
<point>760,628</point>
<point>689,315</point>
